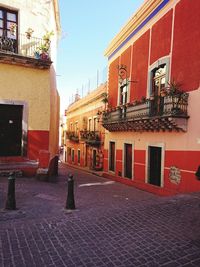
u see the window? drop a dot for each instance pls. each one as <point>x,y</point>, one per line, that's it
<point>95,124</point>
<point>8,30</point>
<point>76,128</point>
<point>158,78</point>
<point>123,97</point>
<point>89,125</point>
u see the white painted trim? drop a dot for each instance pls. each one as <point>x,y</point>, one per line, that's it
<point>162,146</point>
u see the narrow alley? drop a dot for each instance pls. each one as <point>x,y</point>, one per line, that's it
<point>112,225</point>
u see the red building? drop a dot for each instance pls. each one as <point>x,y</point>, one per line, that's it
<point>153,139</point>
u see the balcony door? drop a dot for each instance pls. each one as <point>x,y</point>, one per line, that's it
<point>8,30</point>
<point>158,83</point>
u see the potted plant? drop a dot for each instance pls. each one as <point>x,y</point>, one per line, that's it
<point>13,29</point>
<point>29,33</point>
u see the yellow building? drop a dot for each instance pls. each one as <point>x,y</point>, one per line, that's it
<point>29,100</point>
<point>84,138</point>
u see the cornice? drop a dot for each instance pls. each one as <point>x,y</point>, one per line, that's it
<point>91,98</point>
<point>57,15</point>
<point>135,23</point>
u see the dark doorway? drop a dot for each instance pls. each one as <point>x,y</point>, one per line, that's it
<point>128,161</point>
<point>94,158</point>
<point>10,130</point>
<point>112,157</point>
<point>154,171</point>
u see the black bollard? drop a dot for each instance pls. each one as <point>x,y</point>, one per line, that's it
<point>10,202</point>
<point>70,204</point>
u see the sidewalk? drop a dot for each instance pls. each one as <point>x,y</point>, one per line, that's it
<point>113,225</point>
<point>85,169</point>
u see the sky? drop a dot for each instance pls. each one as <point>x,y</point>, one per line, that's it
<point>88,26</point>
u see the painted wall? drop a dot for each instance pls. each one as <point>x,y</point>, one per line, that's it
<point>172,32</point>
<point>54,115</point>
<point>186,45</point>
<point>80,112</point>
<point>38,15</point>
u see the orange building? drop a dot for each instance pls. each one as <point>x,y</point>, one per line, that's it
<point>29,100</point>
<point>85,136</point>
<point>153,130</point>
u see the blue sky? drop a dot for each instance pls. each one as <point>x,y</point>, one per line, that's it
<point>88,26</point>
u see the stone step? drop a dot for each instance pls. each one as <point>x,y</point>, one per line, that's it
<point>26,168</point>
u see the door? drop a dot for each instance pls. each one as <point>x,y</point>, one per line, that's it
<point>11,130</point>
<point>112,157</point>
<point>128,161</point>
<point>154,166</point>
<point>94,158</point>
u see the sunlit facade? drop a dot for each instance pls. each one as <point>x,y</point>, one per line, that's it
<point>152,125</point>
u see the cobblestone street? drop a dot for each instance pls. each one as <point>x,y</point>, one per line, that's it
<point>113,225</point>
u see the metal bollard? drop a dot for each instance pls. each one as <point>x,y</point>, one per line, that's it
<point>70,204</point>
<point>10,202</point>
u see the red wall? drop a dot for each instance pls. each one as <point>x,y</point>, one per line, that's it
<point>37,140</point>
<point>125,59</point>
<point>140,67</point>
<point>161,37</point>
<point>186,47</point>
<point>113,82</point>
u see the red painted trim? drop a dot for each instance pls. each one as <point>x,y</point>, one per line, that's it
<point>37,140</point>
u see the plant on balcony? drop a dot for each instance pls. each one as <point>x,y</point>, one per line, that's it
<point>29,33</point>
<point>13,29</point>
<point>42,51</point>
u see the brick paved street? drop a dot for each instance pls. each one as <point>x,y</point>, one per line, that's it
<point>113,225</point>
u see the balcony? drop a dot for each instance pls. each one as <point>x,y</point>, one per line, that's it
<point>168,113</point>
<point>26,50</point>
<point>91,138</point>
<point>72,136</point>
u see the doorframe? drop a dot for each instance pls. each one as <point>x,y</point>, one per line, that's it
<point>123,159</point>
<point>24,121</point>
<point>114,141</point>
<point>162,146</point>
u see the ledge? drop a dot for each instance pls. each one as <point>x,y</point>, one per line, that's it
<point>15,59</point>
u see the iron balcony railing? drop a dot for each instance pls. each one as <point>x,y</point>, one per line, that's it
<point>72,136</point>
<point>159,107</point>
<point>27,46</point>
<point>91,137</point>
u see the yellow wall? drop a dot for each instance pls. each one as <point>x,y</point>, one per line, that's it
<point>29,85</point>
<point>54,116</point>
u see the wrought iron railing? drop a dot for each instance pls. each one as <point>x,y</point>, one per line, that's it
<point>168,106</point>
<point>73,136</point>
<point>91,137</point>
<point>25,46</point>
